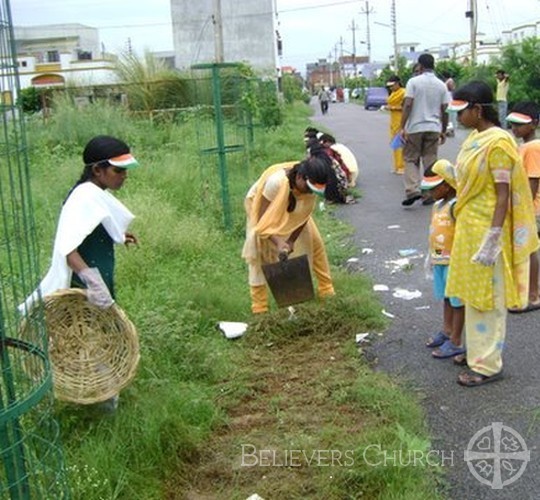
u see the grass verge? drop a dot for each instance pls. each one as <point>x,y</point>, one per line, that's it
<point>289,384</point>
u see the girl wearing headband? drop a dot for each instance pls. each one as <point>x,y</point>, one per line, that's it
<point>279,209</point>
<point>91,221</point>
<point>495,232</point>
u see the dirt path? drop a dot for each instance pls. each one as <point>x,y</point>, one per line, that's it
<point>285,406</point>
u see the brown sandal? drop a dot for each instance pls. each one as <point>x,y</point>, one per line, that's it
<point>460,360</point>
<point>473,379</point>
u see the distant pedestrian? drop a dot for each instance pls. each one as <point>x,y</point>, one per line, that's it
<point>324,99</point>
<point>503,85</point>
<point>423,125</point>
<point>452,115</point>
<point>495,232</point>
<point>441,187</point>
<point>524,120</point>
<point>395,106</point>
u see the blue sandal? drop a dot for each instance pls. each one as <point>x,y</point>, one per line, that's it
<point>438,340</point>
<point>448,350</point>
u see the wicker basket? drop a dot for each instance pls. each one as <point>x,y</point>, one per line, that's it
<point>94,352</point>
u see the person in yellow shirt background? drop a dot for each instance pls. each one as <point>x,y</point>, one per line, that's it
<point>395,107</point>
<point>502,95</point>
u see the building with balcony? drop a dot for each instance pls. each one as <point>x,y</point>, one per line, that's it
<point>54,55</point>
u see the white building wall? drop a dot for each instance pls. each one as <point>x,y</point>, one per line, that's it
<point>67,38</point>
<point>248,32</point>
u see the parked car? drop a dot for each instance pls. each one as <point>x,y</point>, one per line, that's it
<point>375,97</point>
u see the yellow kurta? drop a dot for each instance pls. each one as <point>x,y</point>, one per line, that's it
<point>258,249</point>
<point>395,100</point>
<point>476,198</point>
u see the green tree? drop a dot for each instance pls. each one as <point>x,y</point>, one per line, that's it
<point>30,100</point>
<point>522,62</point>
<point>292,88</point>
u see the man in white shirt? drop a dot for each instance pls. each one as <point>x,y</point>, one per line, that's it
<point>423,125</point>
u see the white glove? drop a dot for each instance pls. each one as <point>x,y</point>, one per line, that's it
<point>490,248</point>
<point>428,267</point>
<point>97,291</point>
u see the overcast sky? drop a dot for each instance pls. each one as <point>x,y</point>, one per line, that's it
<point>310,29</point>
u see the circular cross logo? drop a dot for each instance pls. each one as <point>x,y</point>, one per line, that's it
<point>497,455</point>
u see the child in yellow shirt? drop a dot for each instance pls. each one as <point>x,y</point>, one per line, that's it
<point>441,235</point>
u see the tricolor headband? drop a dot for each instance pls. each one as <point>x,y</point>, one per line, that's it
<point>123,161</point>
<point>519,118</point>
<point>431,182</point>
<point>316,188</point>
<point>457,105</point>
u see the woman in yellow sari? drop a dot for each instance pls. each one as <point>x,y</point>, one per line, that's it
<point>279,222</point>
<point>495,232</point>
<point>395,106</point>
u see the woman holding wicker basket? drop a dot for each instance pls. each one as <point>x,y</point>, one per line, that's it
<point>91,221</point>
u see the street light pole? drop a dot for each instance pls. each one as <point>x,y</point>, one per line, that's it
<point>218,32</point>
<point>473,25</point>
<point>393,21</point>
<point>354,28</point>
<point>367,11</point>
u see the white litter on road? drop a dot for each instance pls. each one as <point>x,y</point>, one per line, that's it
<point>380,288</point>
<point>398,265</point>
<point>393,226</point>
<point>367,251</point>
<point>401,293</point>
<point>407,252</point>
<point>419,308</point>
<point>353,260</point>
<point>232,329</point>
<point>387,314</point>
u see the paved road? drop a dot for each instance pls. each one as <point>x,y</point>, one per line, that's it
<point>455,414</point>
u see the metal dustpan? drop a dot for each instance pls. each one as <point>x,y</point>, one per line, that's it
<point>290,280</point>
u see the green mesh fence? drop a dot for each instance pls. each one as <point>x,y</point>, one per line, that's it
<point>31,457</point>
<point>222,125</point>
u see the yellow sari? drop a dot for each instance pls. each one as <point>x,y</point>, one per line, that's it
<point>395,100</point>
<point>474,209</point>
<point>258,249</point>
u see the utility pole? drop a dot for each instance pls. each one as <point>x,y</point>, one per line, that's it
<point>473,25</point>
<point>367,10</point>
<point>218,32</point>
<point>393,22</point>
<point>336,63</point>
<point>331,69</point>
<point>341,72</point>
<point>353,27</point>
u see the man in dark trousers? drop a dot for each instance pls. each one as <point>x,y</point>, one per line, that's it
<point>423,125</point>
